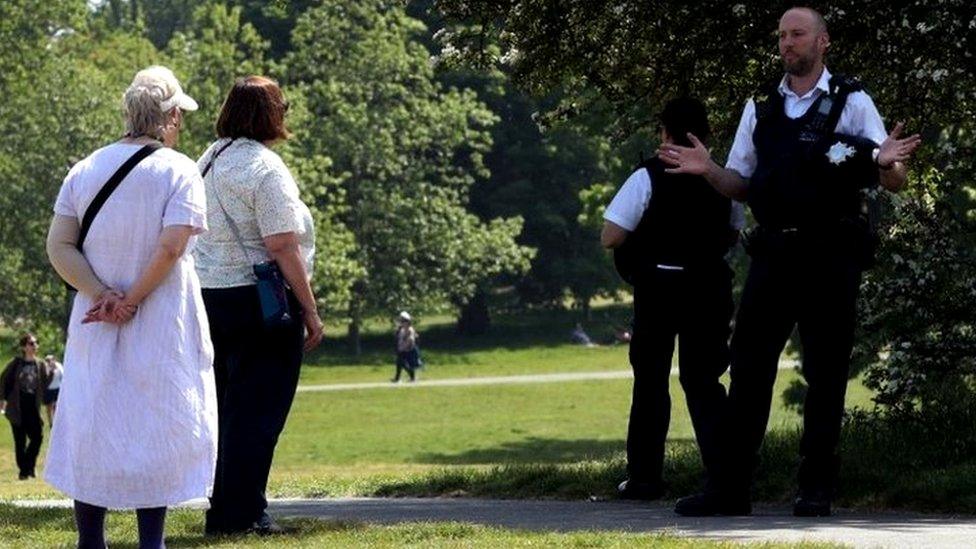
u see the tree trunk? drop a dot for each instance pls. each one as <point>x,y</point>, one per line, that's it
<point>355,341</point>
<point>475,318</point>
<point>586,309</point>
<point>355,323</point>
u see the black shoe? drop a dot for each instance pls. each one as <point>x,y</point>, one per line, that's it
<point>266,526</point>
<point>710,504</point>
<point>645,491</point>
<point>811,503</point>
<point>23,476</point>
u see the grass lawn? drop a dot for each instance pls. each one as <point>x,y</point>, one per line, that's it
<point>55,528</point>
<point>562,440</point>
<point>565,439</point>
<point>413,440</point>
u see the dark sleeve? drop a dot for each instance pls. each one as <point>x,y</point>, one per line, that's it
<point>45,376</point>
<point>7,379</point>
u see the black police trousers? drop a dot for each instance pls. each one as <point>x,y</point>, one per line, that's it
<point>256,370</point>
<point>694,305</point>
<point>817,293</point>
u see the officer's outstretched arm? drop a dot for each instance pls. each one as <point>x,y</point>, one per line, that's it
<point>728,182</point>
<point>697,160</point>
<point>895,178</point>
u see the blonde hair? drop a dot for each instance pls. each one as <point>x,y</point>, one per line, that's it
<point>142,107</point>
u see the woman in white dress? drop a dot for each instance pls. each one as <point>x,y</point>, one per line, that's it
<point>137,418</point>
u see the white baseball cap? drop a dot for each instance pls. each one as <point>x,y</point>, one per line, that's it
<point>172,93</point>
<point>405,316</point>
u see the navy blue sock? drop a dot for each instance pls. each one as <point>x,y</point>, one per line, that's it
<point>90,520</point>
<point>151,523</point>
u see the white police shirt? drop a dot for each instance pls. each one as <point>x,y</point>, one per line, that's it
<point>859,118</point>
<point>628,205</point>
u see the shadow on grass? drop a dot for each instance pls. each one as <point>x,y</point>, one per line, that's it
<point>34,518</point>
<point>883,468</point>
<point>546,480</point>
<point>530,450</point>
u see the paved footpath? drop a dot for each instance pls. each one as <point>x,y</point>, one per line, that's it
<point>493,380</point>
<point>855,529</point>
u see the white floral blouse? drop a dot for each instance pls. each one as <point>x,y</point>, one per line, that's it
<point>257,191</point>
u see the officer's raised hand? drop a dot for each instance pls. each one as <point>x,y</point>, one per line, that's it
<point>697,160</point>
<point>892,152</point>
<point>897,150</point>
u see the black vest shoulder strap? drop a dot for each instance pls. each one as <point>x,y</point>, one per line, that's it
<point>107,189</point>
<point>841,86</point>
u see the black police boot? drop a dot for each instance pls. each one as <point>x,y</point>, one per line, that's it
<point>645,491</point>
<point>711,504</point>
<point>266,526</point>
<point>817,479</point>
<point>812,503</point>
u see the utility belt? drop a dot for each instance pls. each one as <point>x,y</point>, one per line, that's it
<point>692,270</point>
<point>847,237</point>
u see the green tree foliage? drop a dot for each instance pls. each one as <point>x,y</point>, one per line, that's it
<point>537,173</point>
<point>216,47</point>
<point>406,151</point>
<point>918,61</point>
<point>53,114</point>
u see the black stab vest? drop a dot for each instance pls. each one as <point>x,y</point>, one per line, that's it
<point>686,222</point>
<point>793,185</point>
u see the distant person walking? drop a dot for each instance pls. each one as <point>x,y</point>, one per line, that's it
<point>407,351</point>
<point>137,425</point>
<point>55,372</point>
<point>21,385</point>
<point>261,238</point>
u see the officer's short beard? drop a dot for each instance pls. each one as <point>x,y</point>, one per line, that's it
<point>801,67</point>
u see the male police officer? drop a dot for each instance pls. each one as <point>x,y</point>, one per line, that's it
<point>671,234</point>
<point>803,150</point>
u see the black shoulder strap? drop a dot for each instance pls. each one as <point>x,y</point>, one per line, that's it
<point>840,87</point>
<point>110,186</point>
<point>209,165</point>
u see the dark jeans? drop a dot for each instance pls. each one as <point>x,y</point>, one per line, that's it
<point>409,361</point>
<point>816,293</point>
<point>28,429</point>
<point>696,306</point>
<point>256,371</point>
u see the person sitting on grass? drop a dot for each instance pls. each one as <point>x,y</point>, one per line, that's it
<point>578,335</point>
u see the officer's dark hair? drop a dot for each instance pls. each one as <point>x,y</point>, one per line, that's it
<point>685,115</point>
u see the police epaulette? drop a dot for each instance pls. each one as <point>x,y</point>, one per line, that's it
<point>839,81</point>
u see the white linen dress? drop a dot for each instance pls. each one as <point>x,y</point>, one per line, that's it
<point>137,415</point>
